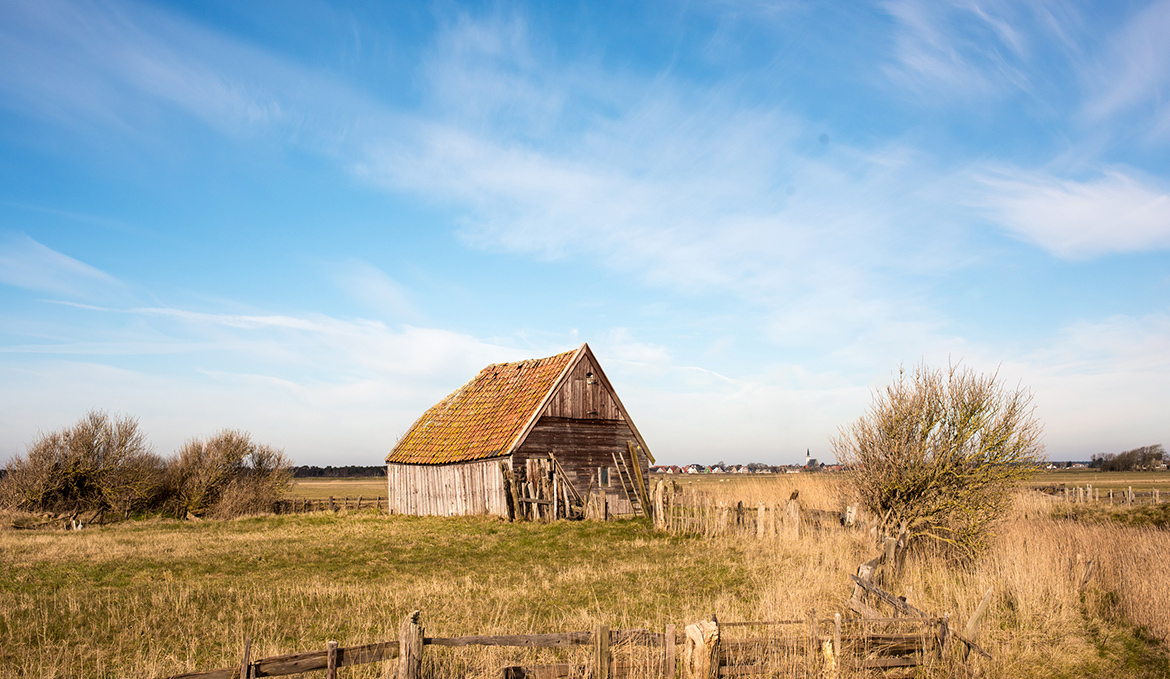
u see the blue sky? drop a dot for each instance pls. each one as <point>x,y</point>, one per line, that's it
<point>312,221</point>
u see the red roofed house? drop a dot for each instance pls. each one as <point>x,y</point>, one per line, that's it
<point>449,461</point>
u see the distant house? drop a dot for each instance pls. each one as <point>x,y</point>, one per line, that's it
<point>453,459</point>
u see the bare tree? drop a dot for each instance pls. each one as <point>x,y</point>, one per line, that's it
<point>101,463</point>
<point>939,452</point>
<point>226,475</point>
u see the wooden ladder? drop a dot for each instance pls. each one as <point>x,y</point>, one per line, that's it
<point>619,463</point>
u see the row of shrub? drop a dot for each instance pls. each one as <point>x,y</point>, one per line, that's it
<point>104,464</point>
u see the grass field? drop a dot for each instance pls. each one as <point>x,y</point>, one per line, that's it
<point>158,597</point>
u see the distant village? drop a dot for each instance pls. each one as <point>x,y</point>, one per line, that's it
<point>810,465</point>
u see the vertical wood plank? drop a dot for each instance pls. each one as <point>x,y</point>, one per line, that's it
<point>601,651</point>
<point>668,662</point>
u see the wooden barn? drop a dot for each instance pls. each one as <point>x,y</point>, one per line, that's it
<point>550,432</point>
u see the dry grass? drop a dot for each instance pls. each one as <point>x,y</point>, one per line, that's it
<point>160,597</point>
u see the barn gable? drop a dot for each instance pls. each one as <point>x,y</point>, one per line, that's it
<point>494,414</point>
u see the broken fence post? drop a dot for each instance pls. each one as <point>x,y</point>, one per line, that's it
<point>701,653</point>
<point>410,647</point>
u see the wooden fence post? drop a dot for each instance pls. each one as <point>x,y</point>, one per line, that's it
<point>410,648</point>
<point>330,660</point>
<point>701,653</point>
<point>792,519</point>
<point>601,651</point>
<point>668,663</point>
<point>659,505</point>
<point>837,634</point>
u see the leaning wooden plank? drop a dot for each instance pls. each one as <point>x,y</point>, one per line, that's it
<point>640,486</point>
<point>561,470</point>
<point>529,640</point>
<point>885,596</point>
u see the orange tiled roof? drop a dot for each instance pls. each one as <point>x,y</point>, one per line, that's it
<point>481,419</point>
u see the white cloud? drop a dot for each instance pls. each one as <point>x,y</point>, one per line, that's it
<point>25,263</point>
<point>1071,219</point>
<point>328,390</point>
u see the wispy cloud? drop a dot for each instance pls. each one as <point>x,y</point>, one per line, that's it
<point>1117,212</point>
<point>1133,75</point>
<point>27,264</point>
<point>960,49</point>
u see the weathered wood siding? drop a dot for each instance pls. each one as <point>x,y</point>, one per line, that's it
<point>579,399</point>
<point>447,489</point>
<point>581,446</point>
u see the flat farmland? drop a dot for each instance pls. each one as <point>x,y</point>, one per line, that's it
<point>1140,481</point>
<point>320,489</point>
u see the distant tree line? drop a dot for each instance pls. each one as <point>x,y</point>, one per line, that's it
<point>1139,459</point>
<point>346,471</point>
<point>105,465</point>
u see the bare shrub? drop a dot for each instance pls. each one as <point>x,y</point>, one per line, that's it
<point>939,452</point>
<point>101,463</point>
<point>227,475</point>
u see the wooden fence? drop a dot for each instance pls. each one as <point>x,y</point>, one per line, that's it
<point>299,505</point>
<point>692,512</point>
<point>1089,494</point>
<point>810,647</point>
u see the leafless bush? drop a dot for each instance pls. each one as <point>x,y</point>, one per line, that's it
<point>101,463</point>
<point>227,475</point>
<point>939,452</point>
